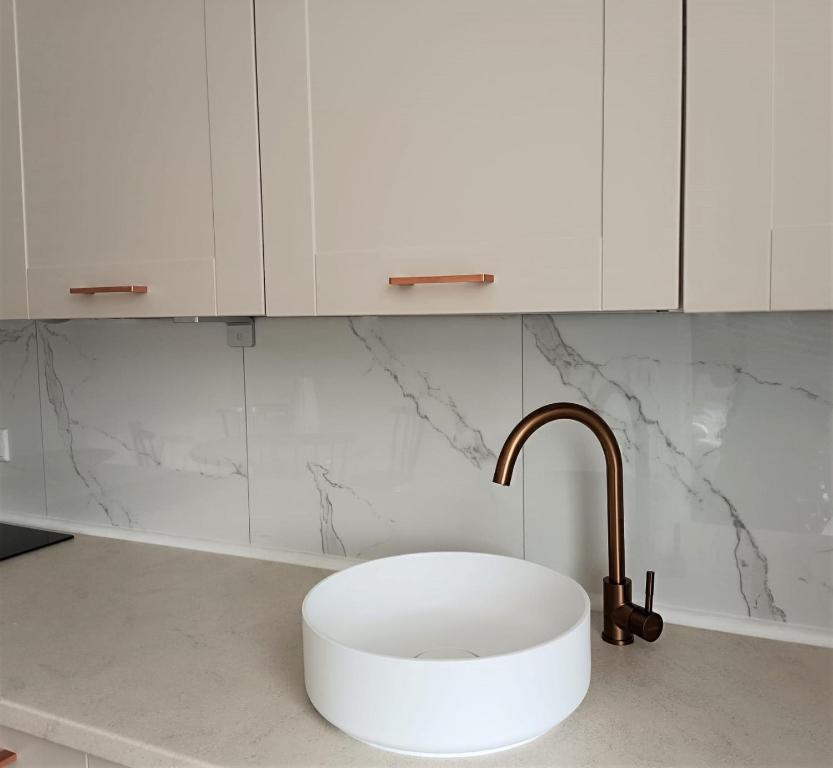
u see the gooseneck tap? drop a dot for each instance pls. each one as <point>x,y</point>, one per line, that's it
<point>622,618</point>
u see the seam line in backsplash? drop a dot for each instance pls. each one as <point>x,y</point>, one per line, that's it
<point>40,414</point>
<point>246,445</point>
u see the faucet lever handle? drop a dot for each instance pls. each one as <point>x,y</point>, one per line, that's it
<point>649,591</point>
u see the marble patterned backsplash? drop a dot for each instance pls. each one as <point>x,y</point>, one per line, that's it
<point>365,437</point>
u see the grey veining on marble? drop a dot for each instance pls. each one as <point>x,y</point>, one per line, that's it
<point>143,427</point>
<point>331,543</point>
<point>433,405</point>
<point>728,450</point>
<point>115,512</point>
<point>376,436</point>
<point>21,479</point>
<point>169,657</point>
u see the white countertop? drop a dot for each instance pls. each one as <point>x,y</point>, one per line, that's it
<point>154,656</point>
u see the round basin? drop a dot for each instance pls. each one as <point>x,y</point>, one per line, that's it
<point>446,653</point>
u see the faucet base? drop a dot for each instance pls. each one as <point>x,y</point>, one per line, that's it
<point>623,619</point>
<point>614,641</point>
<point>615,596</point>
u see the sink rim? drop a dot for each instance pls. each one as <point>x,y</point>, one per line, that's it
<point>422,660</point>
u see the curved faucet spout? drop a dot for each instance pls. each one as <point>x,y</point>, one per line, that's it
<point>613,459</point>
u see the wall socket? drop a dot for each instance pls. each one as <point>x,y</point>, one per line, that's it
<point>240,333</point>
<point>4,445</point>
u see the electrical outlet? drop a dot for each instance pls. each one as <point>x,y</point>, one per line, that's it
<point>240,333</point>
<point>4,445</point>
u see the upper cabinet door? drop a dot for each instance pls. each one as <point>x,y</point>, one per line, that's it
<point>12,252</point>
<point>140,156</point>
<point>414,138</point>
<point>759,173</point>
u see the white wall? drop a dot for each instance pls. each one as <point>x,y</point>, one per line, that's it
<point>370,436</point>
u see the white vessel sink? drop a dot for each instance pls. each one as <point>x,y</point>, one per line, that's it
<point>446,653</point>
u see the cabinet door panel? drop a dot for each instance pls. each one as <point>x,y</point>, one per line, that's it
<point>529,277</point>
<point>759,191</point>
<point>642,127</point>
<point>288,225</point>
<point>232,96</point>
<point>116,146</point>
<point>173,288</point>
<point>419,109</point>
<point>12,248</point>
<point>432,137</point>
<point>442,137</point>
<point>728,149</point>
<point>802,213</point>
<point>802,267</point>
<point>451,127</point>
<point>140,154</point>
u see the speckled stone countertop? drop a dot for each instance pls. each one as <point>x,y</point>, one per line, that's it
<point>153,656</point>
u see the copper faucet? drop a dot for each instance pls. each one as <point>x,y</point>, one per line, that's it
<point>622,618</point>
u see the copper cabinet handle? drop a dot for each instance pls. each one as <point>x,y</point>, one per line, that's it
<point>7,757</point>
<point>91,290</point>
<point>481,277</point>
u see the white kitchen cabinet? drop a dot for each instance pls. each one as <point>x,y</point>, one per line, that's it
<point>139,156</point>
<point>97,762</point>
<point>12,251</point>
<point>535,141</point>
<point>759,170</point>
<point>33,752</point>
